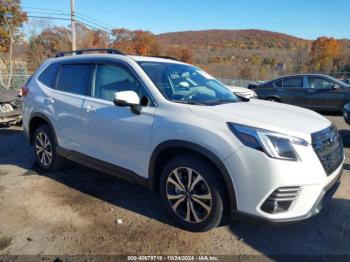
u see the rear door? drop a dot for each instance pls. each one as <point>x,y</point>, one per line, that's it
<point>73,83</point>
<point>322,94</point>
<point>292,91</point>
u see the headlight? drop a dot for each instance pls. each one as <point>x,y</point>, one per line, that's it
<point>275,145</point>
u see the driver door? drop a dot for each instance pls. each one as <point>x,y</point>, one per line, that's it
<point>115,134</point>
<point>321,94</point>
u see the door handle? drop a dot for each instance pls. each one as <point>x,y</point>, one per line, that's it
<point>89,108</point>
<point>48,101</point>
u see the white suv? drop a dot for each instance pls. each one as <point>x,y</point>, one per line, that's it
<point>174,128</point>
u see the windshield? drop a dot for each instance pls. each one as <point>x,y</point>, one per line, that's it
<point>187,84</point>
<point>341,83</point>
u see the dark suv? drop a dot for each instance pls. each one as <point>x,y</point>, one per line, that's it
<point>313,91</point>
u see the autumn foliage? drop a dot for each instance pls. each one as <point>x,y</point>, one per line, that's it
<point>135,42</point>
<point>11,17</point>
<point>324,51</point>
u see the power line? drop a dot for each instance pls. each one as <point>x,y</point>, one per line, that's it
<point>106,28</point>
<point>45,9</point>
<point>68,19</point>
<point>78,14</point>
<point>86,21</point>
<point>48,17</point>
<point>93,19</point>
<point>45,13</point>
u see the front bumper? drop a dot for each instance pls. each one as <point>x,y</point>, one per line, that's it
<point>256,176</point>
<point>10,117</point>
<point>323,199</point>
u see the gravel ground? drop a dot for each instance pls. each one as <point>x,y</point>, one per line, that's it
<point>81,211</point>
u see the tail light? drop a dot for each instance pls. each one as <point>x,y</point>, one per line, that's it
<point>24,91</point>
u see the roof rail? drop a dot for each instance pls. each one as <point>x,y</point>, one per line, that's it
<point>166,57</point>
<point>82,51</point>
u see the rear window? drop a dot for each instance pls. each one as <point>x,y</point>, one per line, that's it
<point>49,76</point>
<point>75,78</point>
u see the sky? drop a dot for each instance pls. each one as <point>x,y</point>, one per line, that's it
<point>307,19</point>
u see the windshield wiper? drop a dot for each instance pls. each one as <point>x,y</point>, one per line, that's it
<point>187,102</point>
<point>219,101</point>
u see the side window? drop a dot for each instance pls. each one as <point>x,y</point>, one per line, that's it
<point>75,78</point>
<point>49,76</point>
<point>278,83</point>
<point>293,82</point>
<point>112,78</point>
<point>319,83</point>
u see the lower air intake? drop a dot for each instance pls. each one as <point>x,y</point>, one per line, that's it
<point>280,200</point>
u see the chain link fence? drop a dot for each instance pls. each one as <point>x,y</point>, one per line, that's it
<point>17,81</point>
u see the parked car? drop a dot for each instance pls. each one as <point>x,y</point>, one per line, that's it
<point>10,107</point>
<point>243,92</point>
<point>202,148</point>
<point>347,81</point>
<point>346,113</point>
<point>313,91</point>
<point>253,85</point>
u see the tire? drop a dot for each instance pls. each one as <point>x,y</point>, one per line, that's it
<point>272,99</point>
<point>51,161</point>
<point>200,219</point>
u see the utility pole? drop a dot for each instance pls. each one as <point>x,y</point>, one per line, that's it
<point>72,18</point>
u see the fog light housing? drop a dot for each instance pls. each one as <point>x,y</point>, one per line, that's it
<point>280,200</point>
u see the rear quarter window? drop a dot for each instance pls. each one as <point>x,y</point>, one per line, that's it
<point>75,78</point>
<point>278,83</point>
<point>49,76</point>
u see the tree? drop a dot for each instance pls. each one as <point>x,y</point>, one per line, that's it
<point>87,38</point>
<point>181,53</point>
<point>49,42</point>
<point>145,43</point>
<point>324,51</point>
<point>246,73</point>
<point>300,59</point>
<point>11,18</point>
<point>137,42</point>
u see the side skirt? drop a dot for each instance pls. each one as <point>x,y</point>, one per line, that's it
<point>102,166</point>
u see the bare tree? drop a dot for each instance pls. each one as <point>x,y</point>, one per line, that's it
<point>9,64</point>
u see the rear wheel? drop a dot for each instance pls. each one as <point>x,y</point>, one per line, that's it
<point>45,149</point>
<point>191,193</point>
<point>272,99</point>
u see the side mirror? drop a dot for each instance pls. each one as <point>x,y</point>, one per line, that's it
<point>336,86</point>
<point>128,99</point>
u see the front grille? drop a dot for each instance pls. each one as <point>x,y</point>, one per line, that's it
<point>328,146</point>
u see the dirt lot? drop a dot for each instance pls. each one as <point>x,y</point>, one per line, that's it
<point>76,211</point>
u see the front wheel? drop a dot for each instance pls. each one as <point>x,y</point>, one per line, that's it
<point>191,193</point>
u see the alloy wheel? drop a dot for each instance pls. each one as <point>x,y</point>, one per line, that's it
<point>43,149</point>
<point>189,195</point>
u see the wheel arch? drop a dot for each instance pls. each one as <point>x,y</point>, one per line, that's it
<point>38,119</point>
<point>277,98</point>
<point>171,148</point>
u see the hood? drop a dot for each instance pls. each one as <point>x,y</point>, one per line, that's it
<point>238,89</point>
<point>277,117</point>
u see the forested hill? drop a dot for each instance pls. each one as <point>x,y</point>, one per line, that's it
<point>250,39</point>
